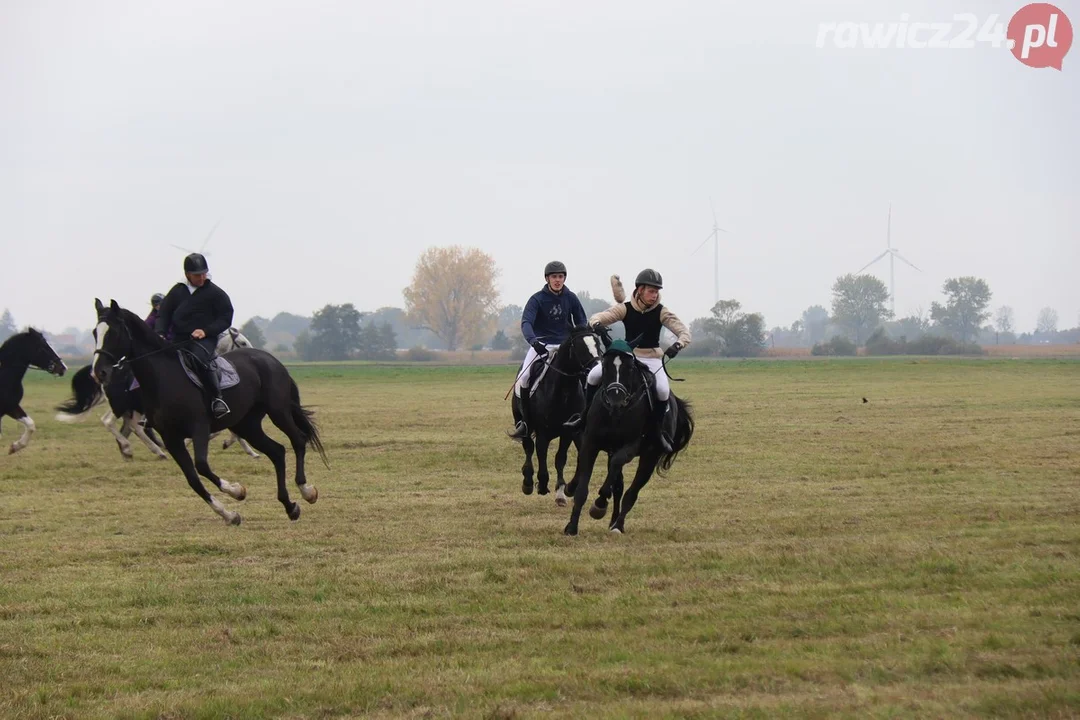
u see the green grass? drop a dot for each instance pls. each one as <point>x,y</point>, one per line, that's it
<point>809,555</point>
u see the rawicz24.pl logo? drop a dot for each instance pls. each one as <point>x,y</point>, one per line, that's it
<point>1039,35</point>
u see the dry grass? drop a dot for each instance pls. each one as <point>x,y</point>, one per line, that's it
<point>810,555</point>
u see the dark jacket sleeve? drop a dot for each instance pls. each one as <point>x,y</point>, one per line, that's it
<point>577,312</point>
<point>223,315</point>
<point>168,307</point>
<point>528,317</point>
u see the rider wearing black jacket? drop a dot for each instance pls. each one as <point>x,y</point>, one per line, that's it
<point>201,310</point>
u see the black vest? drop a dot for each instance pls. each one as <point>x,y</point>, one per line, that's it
<point>647,325</point>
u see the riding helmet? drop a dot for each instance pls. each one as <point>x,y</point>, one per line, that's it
<point>648,276</point>
<point>195,263</point>
<point>554,268</point>
<point>156,299</point>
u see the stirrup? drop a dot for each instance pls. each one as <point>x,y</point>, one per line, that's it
<point>219,408</point>
<point>520,431</point>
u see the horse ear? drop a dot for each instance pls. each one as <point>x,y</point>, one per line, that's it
<point>114,306</point>
<point>98,306</point>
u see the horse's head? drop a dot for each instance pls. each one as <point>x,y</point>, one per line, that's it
<point>583,347</point>
<point>620,377</point>
<point>232,339</point>
<point>113,341</point>
<point>31,348</point>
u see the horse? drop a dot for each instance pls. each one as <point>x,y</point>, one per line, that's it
<point>618,423</point>
<point>18,354</point>
<point>557,395</point>
<point>179,410</point>
<point>126,403</point>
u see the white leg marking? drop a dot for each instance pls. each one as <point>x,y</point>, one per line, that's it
<point>247,448</point>
<point>233,490</point>
<point>28,429</point>
<point>140,432</point>
<point>108,420</point>
<point>229,516</point>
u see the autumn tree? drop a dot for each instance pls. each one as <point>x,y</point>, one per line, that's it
<point>453,295</point>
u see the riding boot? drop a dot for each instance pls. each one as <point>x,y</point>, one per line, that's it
<point>659,413</point>
<point>521,430</point>
<point>210,381</point>
<point>577,420</point>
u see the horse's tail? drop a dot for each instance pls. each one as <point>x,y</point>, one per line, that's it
<point>684,430</point>
<point>86,393</point>
<point>302,416</point>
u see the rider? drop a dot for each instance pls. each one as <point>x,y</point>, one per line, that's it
<point>155,308</point>
<point>545,323</point>
<point>642,316</point>
<point>200,309</point>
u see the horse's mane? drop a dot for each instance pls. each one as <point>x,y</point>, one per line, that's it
<point>13,341</point>
<point>140,331</point>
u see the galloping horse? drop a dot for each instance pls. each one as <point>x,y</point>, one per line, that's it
<point>618,423</point>
<point>18,354</point>
<point>179,410</point>
<point>126,403</point>
<point>557,395</point>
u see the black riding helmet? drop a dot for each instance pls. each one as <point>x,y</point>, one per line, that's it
<point>648,276</point>
<point>554,268</point>
<point>195,263</point>
<point>156,299</point>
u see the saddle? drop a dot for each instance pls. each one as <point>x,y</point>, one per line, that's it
<point>535,378</point>
<point>226,373</point>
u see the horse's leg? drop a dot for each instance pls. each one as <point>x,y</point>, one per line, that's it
<point>200,441</point>
<point>527,469</point>
<point>176,446</point>
<point>109,420</point>
<point>299,440</point>
<point>599,506</point>
<point>28,429</point>
<point>585,462</point>
<point>250,428</point>
<point>140,433</point>
<point>616,495</point>
<point>644,471</point>
<point>243,444</point>
<point>560,465</point>
<point>542,477</point>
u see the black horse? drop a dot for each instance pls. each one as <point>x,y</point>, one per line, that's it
<point>18,354</point>
<point>618,423</point>
<point>178,410</point>
<point>556,397</point>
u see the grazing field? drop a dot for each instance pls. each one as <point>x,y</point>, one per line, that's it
<point>811,554</point>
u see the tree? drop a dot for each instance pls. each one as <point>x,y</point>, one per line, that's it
<point>251,331</point>
<point>335,332</point>
<point>859,304</point>
<point>510,319</point>
<point>743,334</point>
<point>815,323</point>
<point>289,324</point>
<point>377,342</point>
<point>7,325</point>
<point>593,305</point>
<point>500,341</point>
<point>302,346</point>
<point>964,310</point>
<point>1047,322</point>
<point>453,294</point>
<point>1004,320</point>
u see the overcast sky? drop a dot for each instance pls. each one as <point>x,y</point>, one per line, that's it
<point>337,141</point>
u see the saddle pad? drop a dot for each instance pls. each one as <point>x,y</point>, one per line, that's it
<point>537,377</point>
<point>227,375</point>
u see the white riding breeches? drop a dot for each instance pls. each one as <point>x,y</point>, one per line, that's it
<point>656,367</point>
<point>526,367</point>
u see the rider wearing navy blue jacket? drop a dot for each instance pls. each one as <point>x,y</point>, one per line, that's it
<point>545,323</point>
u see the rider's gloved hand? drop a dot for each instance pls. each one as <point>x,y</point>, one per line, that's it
<point>540,348</point>
<point>603,332</point>
<point>673,350</point>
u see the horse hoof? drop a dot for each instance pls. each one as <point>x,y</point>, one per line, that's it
<point>13,449</point>
<point>294,512</point>
<point>616,531</point>
<point>560,499</point>
<point>162,457</point>
<point>526,487</point>
<point>597,511</point>
<point>570,530</point>
<point>242,494</point>
<point>235,519</point>
<point>311,494</point>
<point>542,490</point>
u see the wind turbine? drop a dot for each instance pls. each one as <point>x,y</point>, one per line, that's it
<point>202,250</point>
<point>893,254</point>
<point>715,237</point>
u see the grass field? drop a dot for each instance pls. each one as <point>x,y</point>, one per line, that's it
<point>810,555</point>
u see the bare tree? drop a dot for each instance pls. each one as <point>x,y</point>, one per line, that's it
<point>1005,319</point>
<point>1048,320</point>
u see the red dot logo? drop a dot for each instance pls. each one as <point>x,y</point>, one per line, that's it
<point>1040,35</point>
